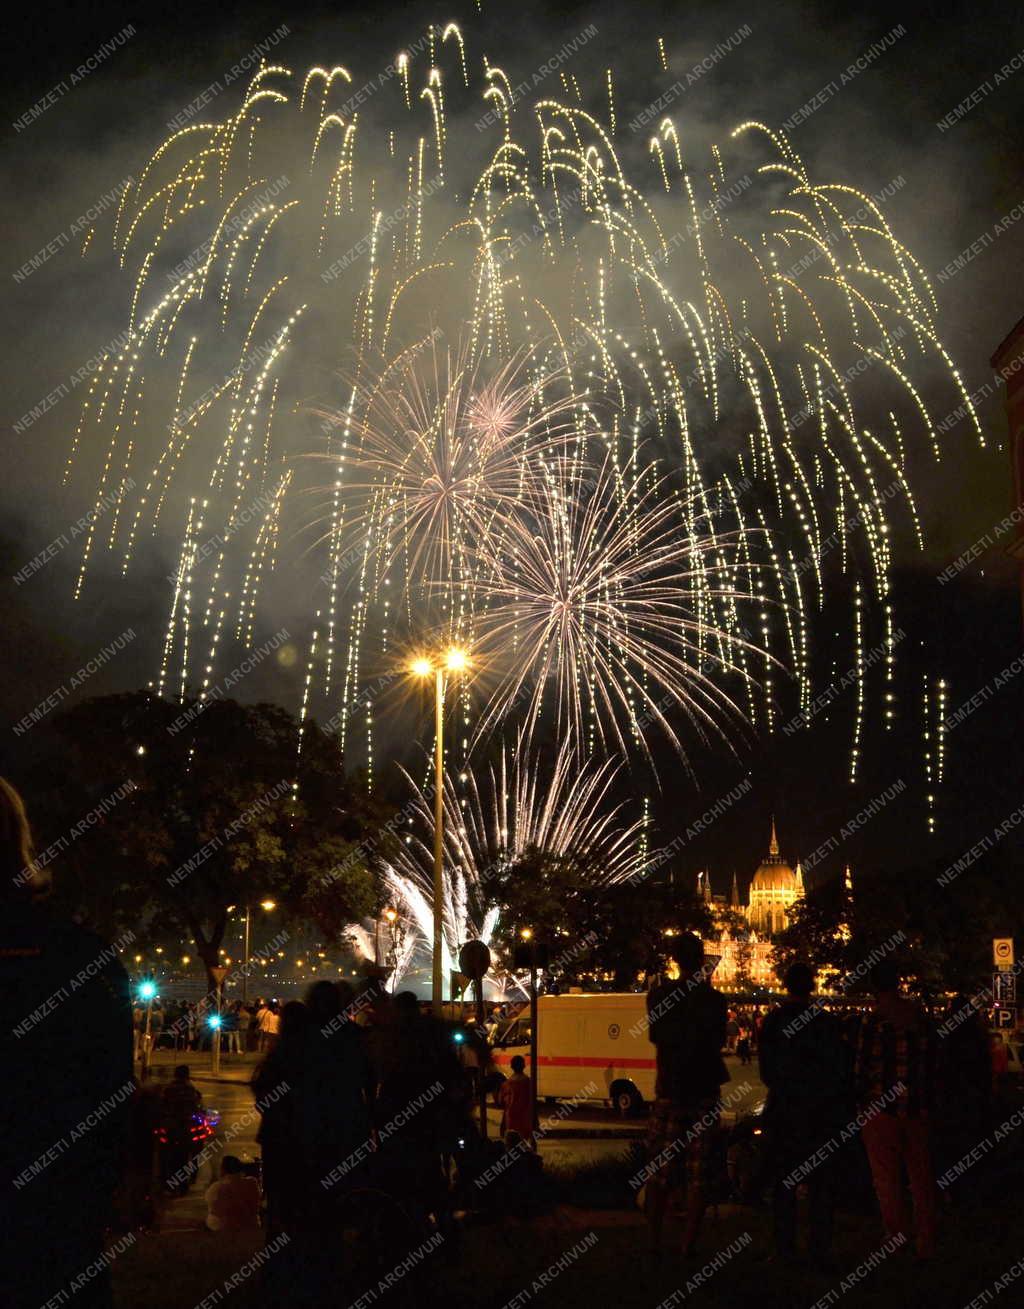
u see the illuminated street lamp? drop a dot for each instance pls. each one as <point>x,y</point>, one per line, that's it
<point>452,661</point>
<point>267,906</point>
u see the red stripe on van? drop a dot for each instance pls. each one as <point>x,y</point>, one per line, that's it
<point>578,1061</point>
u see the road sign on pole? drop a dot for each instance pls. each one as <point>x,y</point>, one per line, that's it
<point>1004,1018</point>
<point>1002,952</point>
<point>474,959</point>
<point>1004,989</point>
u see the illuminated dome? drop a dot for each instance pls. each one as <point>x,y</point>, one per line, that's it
<point>774,888</point>
<point>744,951</point>
<point>774,876</point>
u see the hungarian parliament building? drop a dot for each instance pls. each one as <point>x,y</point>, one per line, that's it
<point>742,934</point>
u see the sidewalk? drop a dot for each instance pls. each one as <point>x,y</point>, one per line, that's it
<point>236,1068</point>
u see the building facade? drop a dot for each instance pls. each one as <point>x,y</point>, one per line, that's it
<point>741,939</point>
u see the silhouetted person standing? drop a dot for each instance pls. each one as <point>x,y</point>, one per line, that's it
<point>66,1042</point>
<point>966,1087</point>
<point>275,1084</point>
<point>896,1088</point>
<point>805,1066</point>
<point>417,1074</point>
<point>687,1023</point>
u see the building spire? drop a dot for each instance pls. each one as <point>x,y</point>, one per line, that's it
<point>735,900</point>
<point>773,845</point>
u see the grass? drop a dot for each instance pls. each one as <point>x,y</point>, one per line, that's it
<point>589,1249</point>
<point>597,1184</point>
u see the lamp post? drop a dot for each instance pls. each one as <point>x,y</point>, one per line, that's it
<point>391,960</point>
<point>147,992</point>
<point>266,905</point>
<point>453,661</point>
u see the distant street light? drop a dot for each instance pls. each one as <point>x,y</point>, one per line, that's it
<point>267,906</point>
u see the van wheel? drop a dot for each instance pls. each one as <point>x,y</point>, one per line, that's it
<point>626,1099</point>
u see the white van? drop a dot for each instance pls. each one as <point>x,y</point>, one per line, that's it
<point>583,1039</point>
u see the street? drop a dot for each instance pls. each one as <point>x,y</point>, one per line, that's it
<point>589,1134</point>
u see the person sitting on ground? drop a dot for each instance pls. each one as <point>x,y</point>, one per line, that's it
<point>233,1202</point>
<point>516,1100</point>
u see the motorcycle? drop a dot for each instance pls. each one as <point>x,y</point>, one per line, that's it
<point>179,1149</point>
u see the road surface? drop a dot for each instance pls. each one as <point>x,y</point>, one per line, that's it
<point>586,1134</point>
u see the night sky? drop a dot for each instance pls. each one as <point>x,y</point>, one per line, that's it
<point>961,180</point>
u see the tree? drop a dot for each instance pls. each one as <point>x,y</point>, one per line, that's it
<point>218,806</point>
<point>813,934</point>
<point>591,928</point>
<point>938,930</point>
<point>631,922</point>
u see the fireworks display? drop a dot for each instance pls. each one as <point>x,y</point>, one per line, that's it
<point>520,807</point>
<point>484,367</point>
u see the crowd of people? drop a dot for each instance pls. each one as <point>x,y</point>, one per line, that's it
<point>366,1107</point>
<point>913,1094</point>
<point>185,1024</point>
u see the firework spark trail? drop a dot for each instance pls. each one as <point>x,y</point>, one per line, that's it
<point>436,464</point>
<point>601,598</point>
<point>667,301</point>
<point>564,810</point>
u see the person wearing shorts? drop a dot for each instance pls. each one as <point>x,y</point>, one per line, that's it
<point>686,1023</point>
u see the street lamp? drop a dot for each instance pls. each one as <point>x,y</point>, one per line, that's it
<point>452,661</point>
<point>266,905</point>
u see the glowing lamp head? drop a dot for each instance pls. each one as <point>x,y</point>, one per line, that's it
<point>147,991</point>
<point>456,660</point>
<point>215,1021</point>
<point>421,667</point>
<point>458,1037</point>
<point>526,934</point>
<point>268,904</point>
<point>390,915</point>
